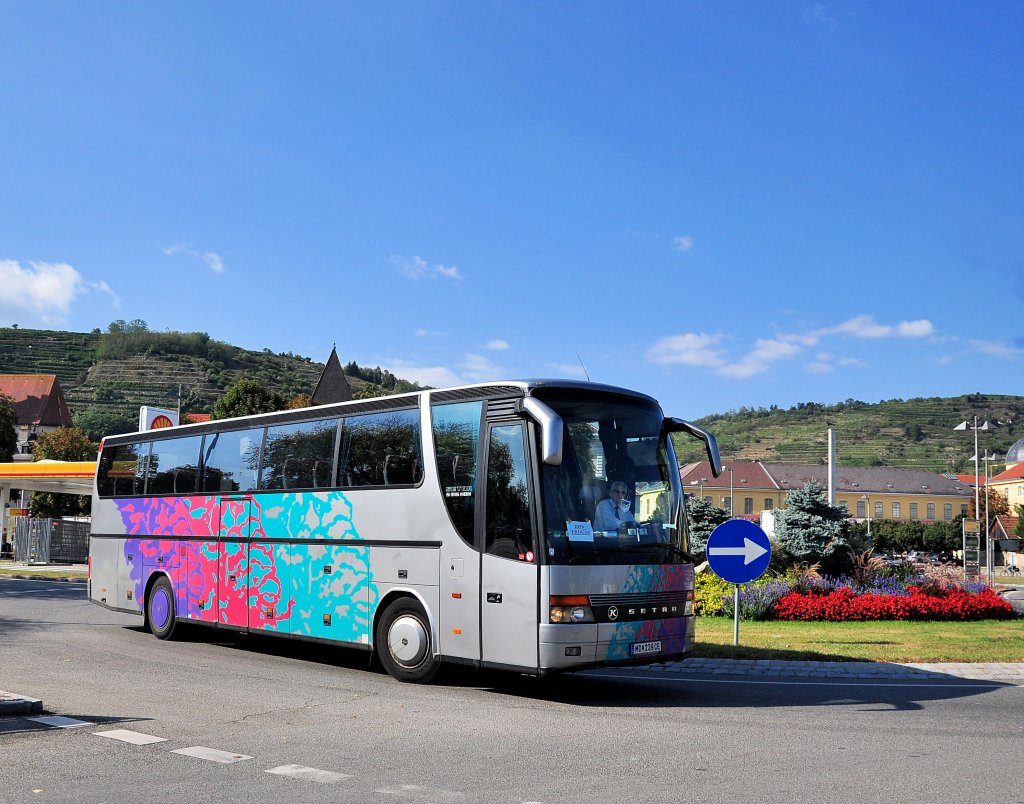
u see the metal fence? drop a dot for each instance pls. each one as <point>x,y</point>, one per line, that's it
<point>46,541</point>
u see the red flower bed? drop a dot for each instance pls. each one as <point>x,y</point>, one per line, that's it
<point>843,605</point>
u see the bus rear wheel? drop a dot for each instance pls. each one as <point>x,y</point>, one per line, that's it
<point>160,609</point>
<point>404,644</point>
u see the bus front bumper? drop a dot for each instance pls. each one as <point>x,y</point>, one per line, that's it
<point>571,646</point>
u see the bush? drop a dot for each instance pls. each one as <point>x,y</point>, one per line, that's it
<point>757,600</point>
<point>710,593</point>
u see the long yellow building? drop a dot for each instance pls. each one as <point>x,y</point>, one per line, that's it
<point>870,492</point>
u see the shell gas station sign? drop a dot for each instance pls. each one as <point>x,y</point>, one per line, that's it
<point>151,418</point>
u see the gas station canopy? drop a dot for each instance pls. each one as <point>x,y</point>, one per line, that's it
<point>65,477</point>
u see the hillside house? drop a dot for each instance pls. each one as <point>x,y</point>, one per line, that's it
<point>39,405</point>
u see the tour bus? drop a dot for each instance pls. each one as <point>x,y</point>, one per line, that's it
<point>454,525</point>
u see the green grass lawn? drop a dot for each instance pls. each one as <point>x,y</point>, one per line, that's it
<point>43,572</point>
<point>882,641</point>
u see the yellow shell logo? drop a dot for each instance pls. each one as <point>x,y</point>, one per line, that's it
<point>160,422</point>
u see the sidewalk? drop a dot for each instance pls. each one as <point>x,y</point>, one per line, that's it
<point>993,672</point>
<point>13,704</point>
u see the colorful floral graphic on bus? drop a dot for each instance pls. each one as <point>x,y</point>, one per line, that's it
<point>672,632</point>
<point>253,575</point>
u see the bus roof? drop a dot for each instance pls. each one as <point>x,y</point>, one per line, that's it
<point>483,390</point>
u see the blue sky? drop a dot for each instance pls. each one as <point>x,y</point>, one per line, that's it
<point>721,204</point>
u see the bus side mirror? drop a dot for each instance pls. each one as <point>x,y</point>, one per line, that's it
<point>680,426</point>
<point>550,430</point>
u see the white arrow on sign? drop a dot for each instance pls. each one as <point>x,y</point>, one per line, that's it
<point>750,551</point>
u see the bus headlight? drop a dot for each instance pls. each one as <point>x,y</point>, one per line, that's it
<point>571,609</point>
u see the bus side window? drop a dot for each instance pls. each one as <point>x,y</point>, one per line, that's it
<point>375,444</point>
<point>456,429</point>
<point>401,470</point>
<point>121,470</point>
<point>232,459</point>
<point>173,466</point>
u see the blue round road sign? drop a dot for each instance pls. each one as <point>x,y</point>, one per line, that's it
<point>739,551</point>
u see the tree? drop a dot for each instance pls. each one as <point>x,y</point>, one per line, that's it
<point>703,517</point>
<point>247,397</point>
<point>1019,530</point>
<point>368,391</point>
<point>62,444</point>
<point>300,401</point>
<point>98,424</point>
<point>997,503</point>
<point>8,428</point>
<point>810,530</point>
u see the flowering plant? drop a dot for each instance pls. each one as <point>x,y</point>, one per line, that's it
<point>845,605</point>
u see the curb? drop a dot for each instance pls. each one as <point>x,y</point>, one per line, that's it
<point>13,704</point>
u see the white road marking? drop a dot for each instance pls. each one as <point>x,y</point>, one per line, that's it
<point>418,792</point>
<point>60,722</point>
<point>312,774</point>
<point>133,737</point>
<point>211,754</point>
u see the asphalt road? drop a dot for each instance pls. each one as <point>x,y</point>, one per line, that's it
<point>316,724</point>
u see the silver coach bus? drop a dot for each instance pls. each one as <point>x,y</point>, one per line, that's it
<point>533,526</point>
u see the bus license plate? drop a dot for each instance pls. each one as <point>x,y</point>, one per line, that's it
<point>644,648</point>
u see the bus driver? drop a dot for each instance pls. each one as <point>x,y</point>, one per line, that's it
<point>613,513</point>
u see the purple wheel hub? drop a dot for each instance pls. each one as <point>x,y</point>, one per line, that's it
<point>160,610</point>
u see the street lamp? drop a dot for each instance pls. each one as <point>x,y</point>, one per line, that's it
<point>977,474</point>
<point>989,552</point>
<point>731,491</point>
<point>867,510</point>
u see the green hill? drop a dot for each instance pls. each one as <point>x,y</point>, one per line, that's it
<point>915,433</point>
<point>107,376</point>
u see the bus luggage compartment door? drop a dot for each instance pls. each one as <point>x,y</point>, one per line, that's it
<point>508,612</point>
<point>233,562</point>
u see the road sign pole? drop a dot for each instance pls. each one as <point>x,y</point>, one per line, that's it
<point>736,615</point>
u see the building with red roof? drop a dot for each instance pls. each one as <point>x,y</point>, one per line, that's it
<point>869,492</point>
<point>39,405</point>
<point>1011,485</point>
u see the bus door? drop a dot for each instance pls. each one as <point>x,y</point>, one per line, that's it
<point>509,574</point>
<point>233,561</point>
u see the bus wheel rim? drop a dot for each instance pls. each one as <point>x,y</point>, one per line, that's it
<point>407,640</point>
<point>160,611</point>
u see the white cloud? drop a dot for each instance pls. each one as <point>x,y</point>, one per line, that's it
<point>915,329</point>
<point>766,351</point>
<point>690,349</point>
<point>478,368</point>
<point>497,345</point>
<point>705,351</point>
<point>44,291</point>
<point>418,268</point>
<point>428,333</point>
<point>572,370</point>
<point>683,243</point>
<point>995,348</point>
<point>472,368</point>
<point>211,258</point>
<point>437,376</point>
<point>865,326</point>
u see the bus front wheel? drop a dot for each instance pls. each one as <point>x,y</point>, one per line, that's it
<point>160,609</point>
<point>404,644</point>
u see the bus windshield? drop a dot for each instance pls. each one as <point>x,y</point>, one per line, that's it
<point>615,497</point>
